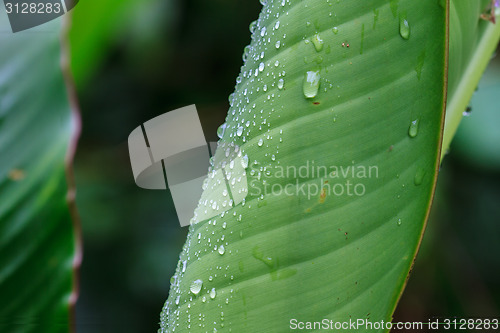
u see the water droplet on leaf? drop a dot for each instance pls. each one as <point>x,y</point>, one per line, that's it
<point>213,293</point>
<point>252,26</point>
<point>221,130</point>
<point>281,83</point>
<point>467,111</point>
<point>419,176</point>
<point>413,130</point>
<point>317,42</point>
<point>196,286</point>
<point>311,84</point>
<point>404,27</point>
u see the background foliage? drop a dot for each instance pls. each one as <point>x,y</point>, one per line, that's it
<point>38,241</point>
<point>131,236</point>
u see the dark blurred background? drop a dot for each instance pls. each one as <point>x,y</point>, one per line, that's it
<point>134,60</point>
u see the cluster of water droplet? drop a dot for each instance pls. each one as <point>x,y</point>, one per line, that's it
<point>262,78</point>
<point>248,129</point>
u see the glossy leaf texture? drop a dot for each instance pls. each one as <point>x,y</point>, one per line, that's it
<point>337,120</point>
<point>472,42</point>
<point>38,251</point>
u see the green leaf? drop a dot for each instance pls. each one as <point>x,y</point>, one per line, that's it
<point>315,253</point>
<point>472,41</point>
<point>38,248</point>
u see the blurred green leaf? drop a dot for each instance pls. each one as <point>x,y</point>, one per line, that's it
<point>356,84</point>
<point>478,137</point>
<point>472,41</point>
<point>95,25</point>
<point>37,241</point>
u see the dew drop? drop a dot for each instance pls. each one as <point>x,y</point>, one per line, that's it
<point>213,293</point>
<point>311,84</point>
<point>246,51</point>
<point>261,67</point>
<point>260,143</point>
<point>239,131</point>
<point>221,130</point>
<point>404,27</point>
<point>413,130</point>
<point>335,30</point>
<point>399,222</point>
<point>317,42</point>
<point>419,176</point>
<point>467,111</point>
<point>375,18</point>
<point>281,84</point>
<point>420,64</point>
<point>252,26</point>
<point>196,286</point>
<point>221,250</point>
<point>244,161</point>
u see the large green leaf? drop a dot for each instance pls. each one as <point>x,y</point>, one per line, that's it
<point>320,254</point>
<point>38,251</point>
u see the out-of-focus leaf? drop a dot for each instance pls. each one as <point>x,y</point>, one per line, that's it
<point>38,246</point>
<point>96,24</point>
<point>472,41</point>
<point>478,137</point>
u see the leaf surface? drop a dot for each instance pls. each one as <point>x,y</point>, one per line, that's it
<point>339,103</point>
